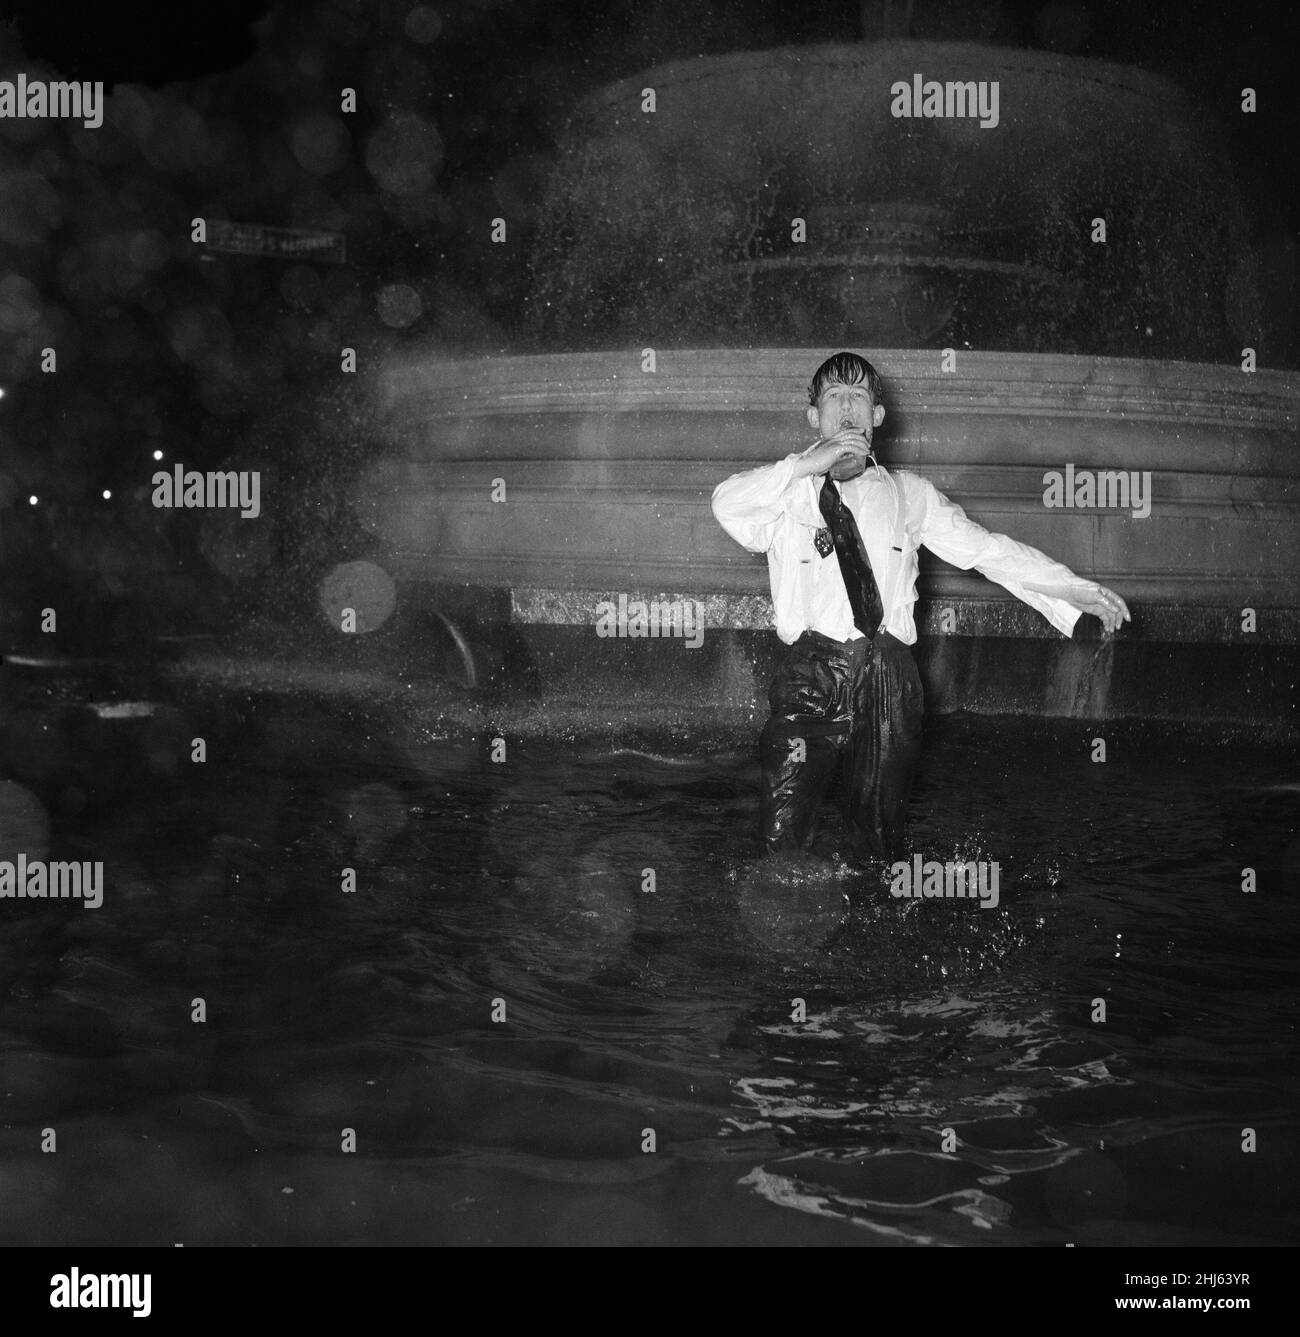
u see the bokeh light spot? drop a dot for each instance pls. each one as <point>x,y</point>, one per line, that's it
<point>320,144</point>
<point>24,825</point>
<point>423,24</point>
<point>362,586</point>
<point>793,904</point>
<point>404,155</point>
<point>399,305</point>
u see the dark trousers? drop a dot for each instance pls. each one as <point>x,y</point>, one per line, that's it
<point>855,707</point>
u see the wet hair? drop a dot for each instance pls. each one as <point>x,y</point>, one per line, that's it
<point>845,369</point>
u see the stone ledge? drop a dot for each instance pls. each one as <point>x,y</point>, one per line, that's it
<point>1162,621</point>
<point>970,617</point>
<point>721,381</point>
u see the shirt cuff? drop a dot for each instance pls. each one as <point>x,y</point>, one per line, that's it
<point>1057,611</point>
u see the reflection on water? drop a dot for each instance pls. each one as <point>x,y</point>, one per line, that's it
<point>819,1062</point>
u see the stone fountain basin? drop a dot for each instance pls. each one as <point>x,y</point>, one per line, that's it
<point>608,473</point>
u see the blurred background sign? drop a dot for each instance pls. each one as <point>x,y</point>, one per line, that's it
<point>295,243</point>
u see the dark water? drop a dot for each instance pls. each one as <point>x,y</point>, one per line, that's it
<point>631,1009</point>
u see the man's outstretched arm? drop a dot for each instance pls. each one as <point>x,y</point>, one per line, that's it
<point>1033,577</point>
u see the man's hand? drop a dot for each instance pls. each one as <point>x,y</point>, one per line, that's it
<point>1106,605</point>
<point>843,445</point>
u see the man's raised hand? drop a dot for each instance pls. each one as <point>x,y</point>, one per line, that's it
<point>824,454</point>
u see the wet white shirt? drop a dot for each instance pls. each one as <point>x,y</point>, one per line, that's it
<point>769,510</point>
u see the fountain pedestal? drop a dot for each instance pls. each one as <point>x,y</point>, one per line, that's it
<point>707,251</point>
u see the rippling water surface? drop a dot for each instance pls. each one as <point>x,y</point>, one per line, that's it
<point>607,897</point>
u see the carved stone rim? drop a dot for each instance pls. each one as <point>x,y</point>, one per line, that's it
<point>704,380</point>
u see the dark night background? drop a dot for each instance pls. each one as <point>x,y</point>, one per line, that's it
<point>369,1011</point>
<point>233,112</point>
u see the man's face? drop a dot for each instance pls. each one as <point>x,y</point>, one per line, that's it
<point>844,407</point>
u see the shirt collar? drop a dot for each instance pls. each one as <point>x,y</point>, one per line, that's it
<point>806,508</point>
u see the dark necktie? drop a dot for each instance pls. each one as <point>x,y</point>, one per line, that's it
<point>855,565</point>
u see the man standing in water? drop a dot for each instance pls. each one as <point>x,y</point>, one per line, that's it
<point>841,545</point>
